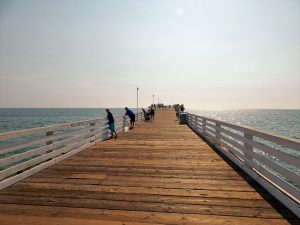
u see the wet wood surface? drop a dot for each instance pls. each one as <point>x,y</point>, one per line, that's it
<point>158,173</point>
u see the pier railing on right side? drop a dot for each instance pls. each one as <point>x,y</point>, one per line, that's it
<point>272,160</point>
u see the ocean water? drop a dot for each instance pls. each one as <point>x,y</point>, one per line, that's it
<point>12,119</point>
<point>19,119</point>
<point>285,122</point>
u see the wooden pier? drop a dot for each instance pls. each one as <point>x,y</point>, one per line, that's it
<point>158,173</point>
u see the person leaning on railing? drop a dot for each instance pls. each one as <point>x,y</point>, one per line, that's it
<point>131,115</point>
<point>111,124</point>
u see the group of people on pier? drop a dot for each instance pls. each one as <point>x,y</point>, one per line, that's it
<point>111,121</point>
<point>131,115</point>
<point>148,116</point>
<point>178,109</point>
<point>150,113</point>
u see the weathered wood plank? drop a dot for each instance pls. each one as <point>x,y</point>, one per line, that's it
<point>39,220</point>
<point>136,197</point>
<point>253,212</point>
<point>132,216</point>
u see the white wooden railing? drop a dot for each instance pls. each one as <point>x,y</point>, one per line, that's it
<point>272,160</point>
<point>29,151</point>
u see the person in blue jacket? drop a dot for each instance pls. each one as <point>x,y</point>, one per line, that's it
<point>131,115</point>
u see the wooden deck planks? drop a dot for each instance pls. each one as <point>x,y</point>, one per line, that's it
<point>159,173</point>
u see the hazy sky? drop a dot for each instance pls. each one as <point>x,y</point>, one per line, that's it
<point>205,54</point>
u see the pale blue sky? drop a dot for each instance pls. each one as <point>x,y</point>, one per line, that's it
<point>206,54</point>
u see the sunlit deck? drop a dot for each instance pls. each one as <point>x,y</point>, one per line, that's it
<point>158,173</point>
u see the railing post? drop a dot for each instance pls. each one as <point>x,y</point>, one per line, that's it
<point>92,128</point>
<point>48,134</point>
<point>196,123</point>
<point>104,135</point>
<point>204,125</point>
<point>124,124</point>
<point>218,133</point>
<point>249,148</point>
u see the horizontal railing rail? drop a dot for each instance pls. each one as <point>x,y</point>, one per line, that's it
<point>272,160</point>
<point>25,152</point>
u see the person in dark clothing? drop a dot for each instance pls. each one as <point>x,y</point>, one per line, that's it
<point>111,124</point>
<point>146,115</point>
<point>131,115</point>
<point>152,112</point>
<point>182,108</point>
<point>177,109</point>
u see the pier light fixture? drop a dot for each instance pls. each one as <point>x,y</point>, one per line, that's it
<point>137,104</point>
<point>153,99</point>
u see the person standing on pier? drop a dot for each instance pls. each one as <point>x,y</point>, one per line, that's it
<point>152,112</point>
<point>111,124</point>
<point>131,115</point>
<point>182,108</point>
<point>177,110</point>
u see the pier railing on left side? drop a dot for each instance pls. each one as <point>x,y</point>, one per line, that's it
<point>272,160</point>
<point>29,151</point>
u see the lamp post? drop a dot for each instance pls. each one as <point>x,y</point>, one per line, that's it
<point>153,100</point>
<point>137,104</point>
